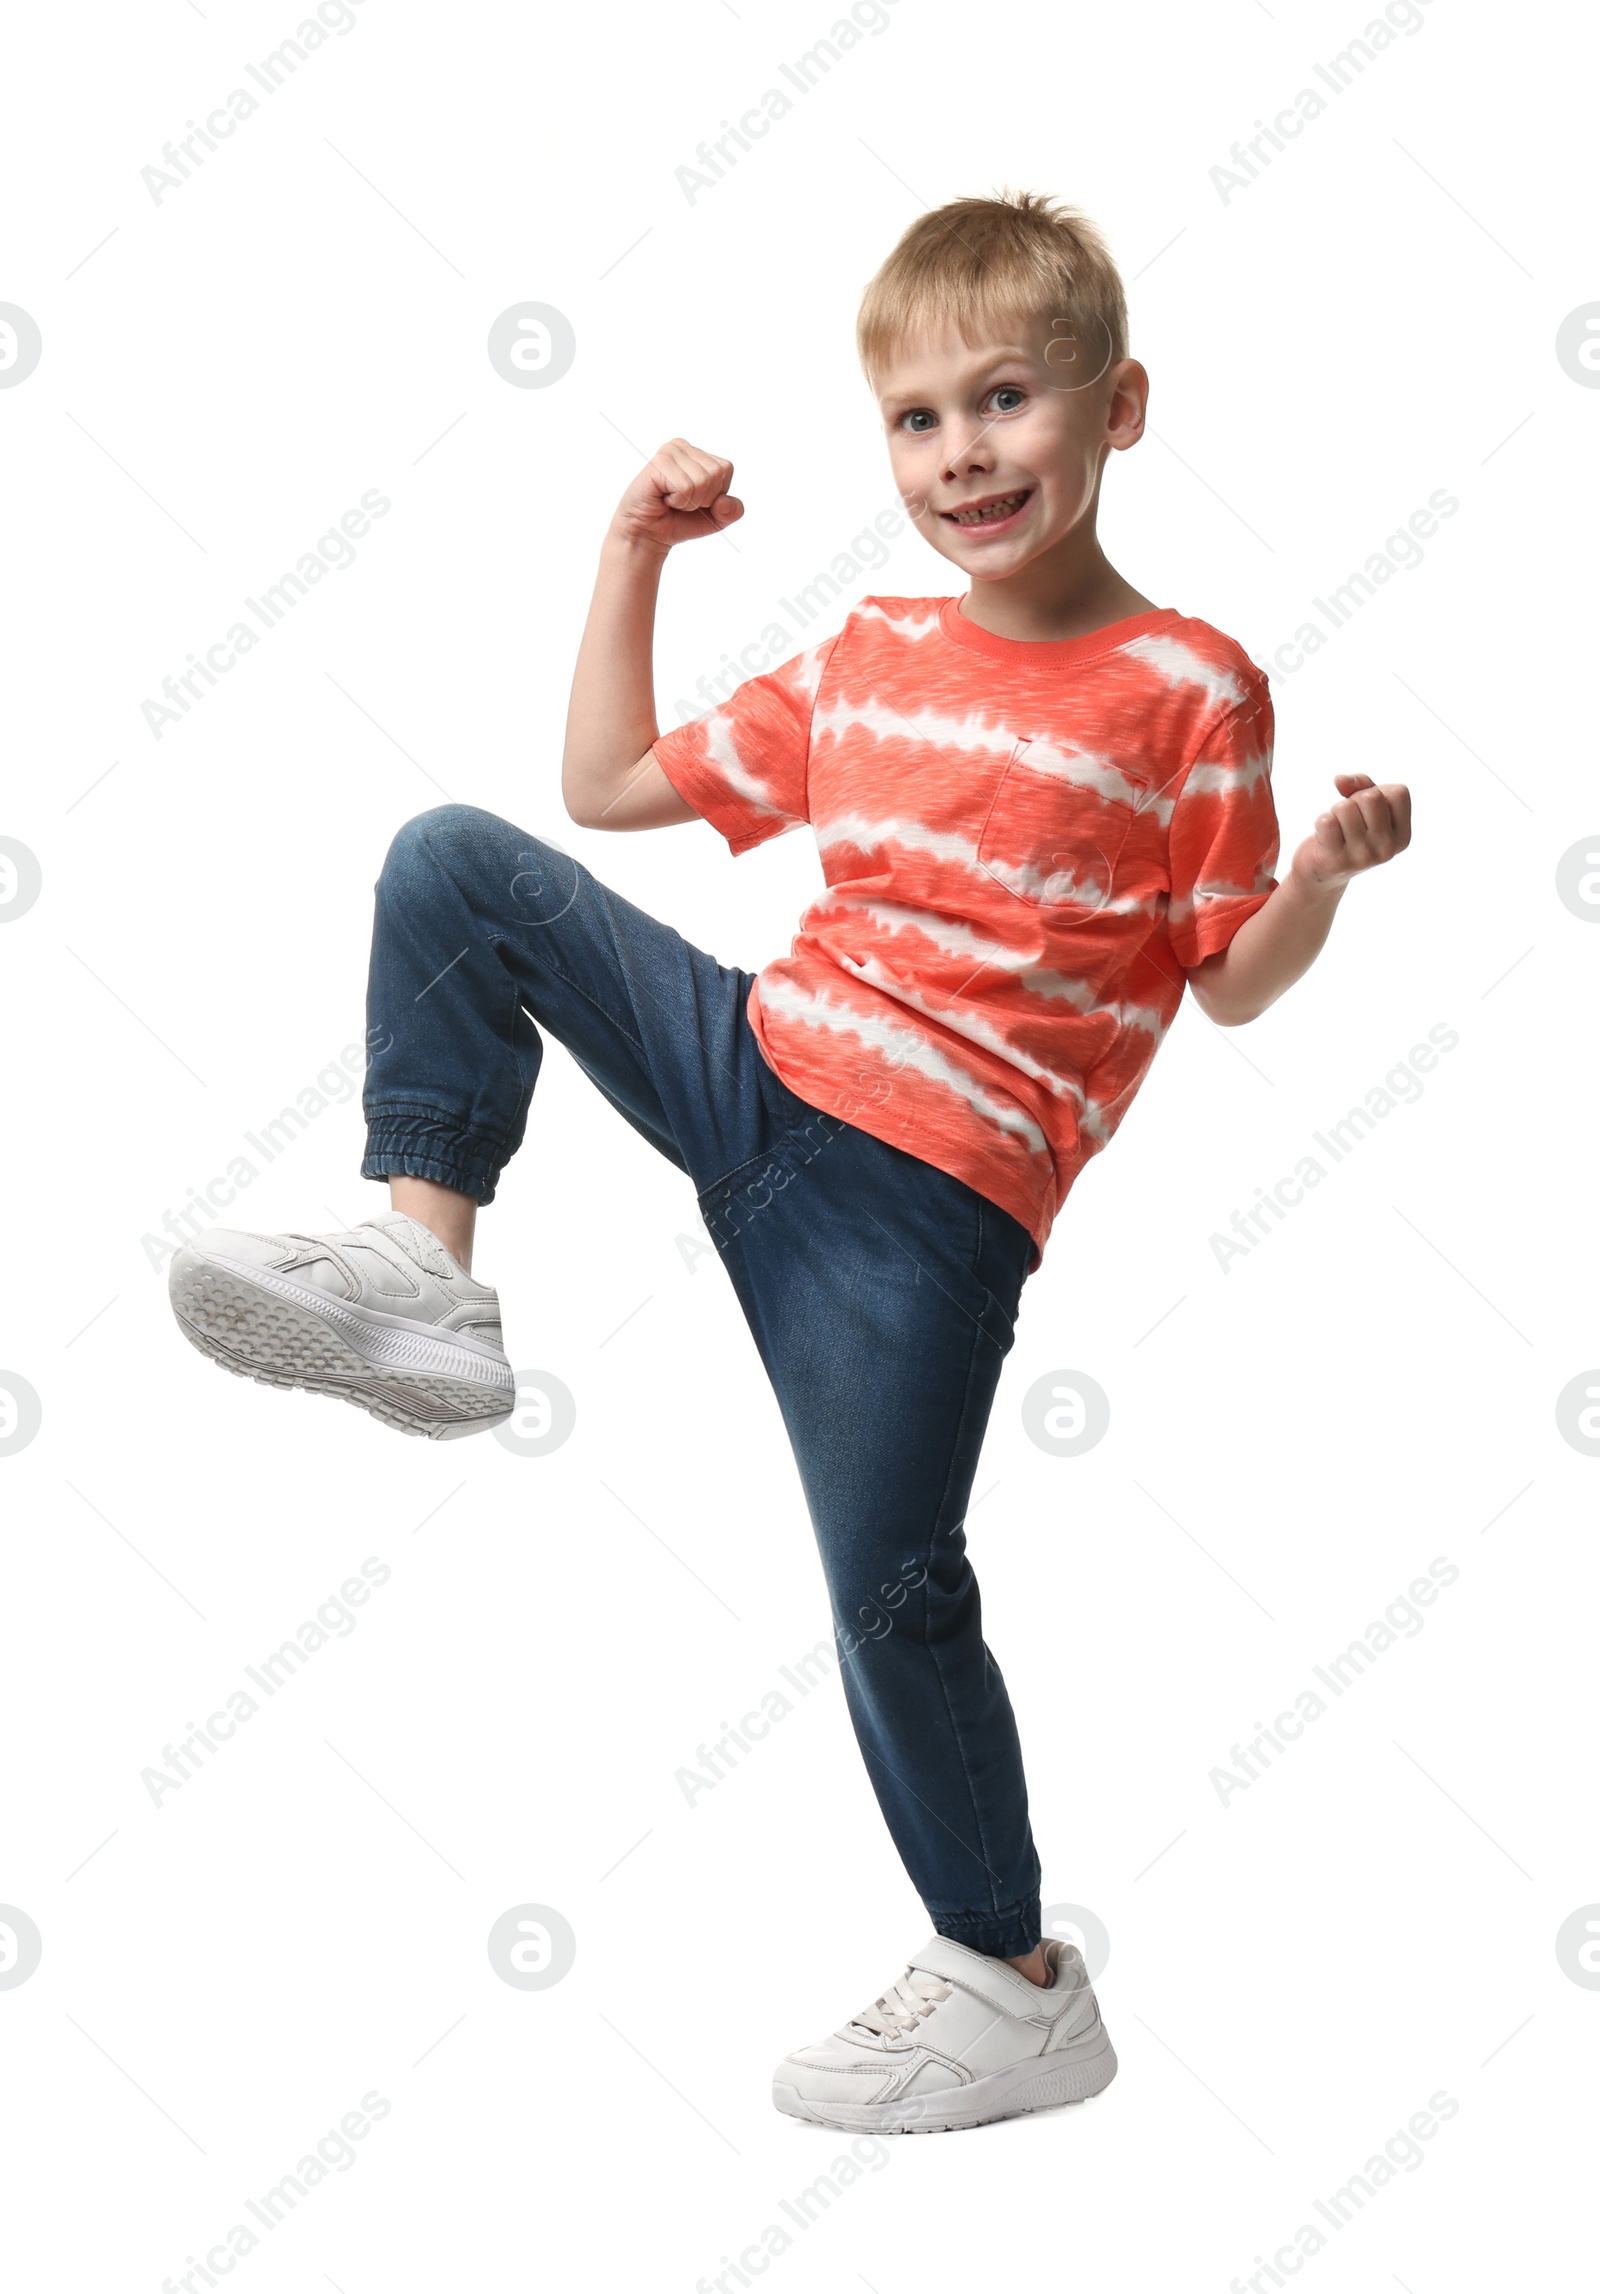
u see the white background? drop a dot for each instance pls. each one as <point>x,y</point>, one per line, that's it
<point>1291,1441</point>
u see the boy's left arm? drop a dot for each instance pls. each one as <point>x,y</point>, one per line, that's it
<point>1272,948</point>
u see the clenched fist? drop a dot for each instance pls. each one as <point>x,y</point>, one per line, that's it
<point>680,494</point>
<point>1368,826</point>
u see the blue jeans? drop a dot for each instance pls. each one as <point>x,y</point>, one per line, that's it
<point>881,1292</point>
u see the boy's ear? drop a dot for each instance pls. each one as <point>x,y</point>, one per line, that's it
<point>1130,397</point>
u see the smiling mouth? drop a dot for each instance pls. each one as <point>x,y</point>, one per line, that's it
<point>988,513</point>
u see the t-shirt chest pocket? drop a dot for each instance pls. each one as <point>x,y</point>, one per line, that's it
<point>1055,831</point>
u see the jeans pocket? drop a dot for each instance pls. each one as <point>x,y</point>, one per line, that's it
<point>788,1111</point>
<point>731,1206</point>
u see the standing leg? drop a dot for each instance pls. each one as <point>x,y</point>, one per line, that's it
<point>882,1294</point>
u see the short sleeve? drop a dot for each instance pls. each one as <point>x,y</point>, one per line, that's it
<point>743,768</point>
<point>1223,840</point>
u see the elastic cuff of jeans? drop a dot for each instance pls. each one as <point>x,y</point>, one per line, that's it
<point>1010,1934</point>
<point>434,1147</point>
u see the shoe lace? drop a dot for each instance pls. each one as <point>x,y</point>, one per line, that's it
<point>904,2004</point>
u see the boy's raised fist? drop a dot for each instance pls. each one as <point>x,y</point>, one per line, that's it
<point>1368,826</point>
<point>680,494</point>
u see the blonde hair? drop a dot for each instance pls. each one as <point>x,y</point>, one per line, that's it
<point>979,262</point>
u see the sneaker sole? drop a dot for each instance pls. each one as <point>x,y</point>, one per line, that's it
<point>260,1325</point>
<point>1007,2094</point>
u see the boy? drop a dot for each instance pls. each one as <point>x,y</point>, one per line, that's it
<point>1041,808</point>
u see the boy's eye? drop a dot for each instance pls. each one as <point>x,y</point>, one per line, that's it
<point>1005,398</point>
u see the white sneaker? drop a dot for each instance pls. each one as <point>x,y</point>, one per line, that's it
<point>960,2039</point>
<point>381,1316</point>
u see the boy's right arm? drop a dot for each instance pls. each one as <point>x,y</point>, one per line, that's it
<point>609,775</point>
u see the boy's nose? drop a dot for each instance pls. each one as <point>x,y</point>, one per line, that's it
<point>971,452</point>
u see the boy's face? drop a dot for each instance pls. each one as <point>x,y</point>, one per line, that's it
<point>997,448</point>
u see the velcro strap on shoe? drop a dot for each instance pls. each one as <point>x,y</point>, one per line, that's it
<point>419,1243</point>
<point>997,1986</point>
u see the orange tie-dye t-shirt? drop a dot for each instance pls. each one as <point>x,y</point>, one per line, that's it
<point>1024,847</point>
